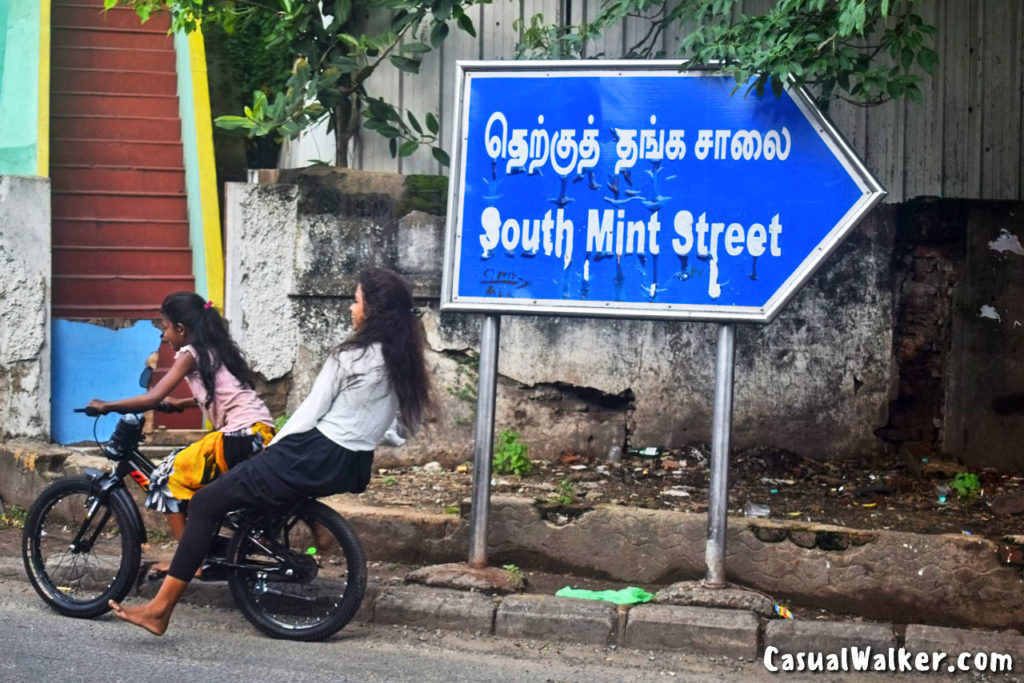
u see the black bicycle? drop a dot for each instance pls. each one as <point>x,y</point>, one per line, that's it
<point>297,573</point>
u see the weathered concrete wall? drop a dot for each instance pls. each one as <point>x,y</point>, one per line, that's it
<point>24,307</point>
<point>817,380</point>
<point>984,423</point>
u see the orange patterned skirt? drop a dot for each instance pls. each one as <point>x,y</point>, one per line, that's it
<point>183,473</point>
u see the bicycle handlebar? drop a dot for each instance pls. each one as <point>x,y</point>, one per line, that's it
<point>162,407</point>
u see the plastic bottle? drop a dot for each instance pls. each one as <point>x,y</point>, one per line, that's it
<point>756,510</point>
<point>648,452</point>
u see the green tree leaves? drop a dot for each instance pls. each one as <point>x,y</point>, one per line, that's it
<point>862,51</point>
<point>335,56</point>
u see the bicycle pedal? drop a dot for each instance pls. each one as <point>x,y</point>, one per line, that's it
<point>155,575</point>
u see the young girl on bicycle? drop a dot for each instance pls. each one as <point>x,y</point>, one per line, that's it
<point>376,376</point>
<point>222,386</point>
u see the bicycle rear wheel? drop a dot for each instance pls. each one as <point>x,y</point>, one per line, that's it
<point>302,575</point>
<point>80,548</point>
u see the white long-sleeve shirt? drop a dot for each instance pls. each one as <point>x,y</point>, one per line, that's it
<point>351,403</point>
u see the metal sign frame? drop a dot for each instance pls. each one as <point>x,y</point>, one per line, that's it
<point>452,300</point>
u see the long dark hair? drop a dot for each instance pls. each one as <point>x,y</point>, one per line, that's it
<point>208,334</point>
<point>391,321</point>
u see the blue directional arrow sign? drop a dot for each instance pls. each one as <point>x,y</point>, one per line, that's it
<point>633,189</point>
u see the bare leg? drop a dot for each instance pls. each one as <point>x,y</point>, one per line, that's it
<point>155,614</point>
<point>176,522</point>
<point>323,538</point>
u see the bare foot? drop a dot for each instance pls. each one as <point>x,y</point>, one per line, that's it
<point>143,616</point>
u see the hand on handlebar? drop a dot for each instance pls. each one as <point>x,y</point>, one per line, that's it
<point>96,407</point>
<point>168,407</point>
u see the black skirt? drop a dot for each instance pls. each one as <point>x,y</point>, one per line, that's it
<point>306,464</point>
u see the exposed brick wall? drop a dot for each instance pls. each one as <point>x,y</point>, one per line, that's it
<point>928,261</point>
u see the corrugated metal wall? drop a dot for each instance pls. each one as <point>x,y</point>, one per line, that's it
<point>965,140</point>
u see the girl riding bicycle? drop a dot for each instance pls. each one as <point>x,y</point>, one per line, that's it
<point>377,376</point>
<point>222,386</point>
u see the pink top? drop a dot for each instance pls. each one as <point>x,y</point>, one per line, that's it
<point>234,406</point>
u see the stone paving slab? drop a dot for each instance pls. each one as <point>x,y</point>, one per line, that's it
<point>435,608</point>
<point>545,617</point>
<point>959,641</point>
<point>700,630</point>
<point>793,635</point>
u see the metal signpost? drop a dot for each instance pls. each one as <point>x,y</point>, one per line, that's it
<point>636,190</point>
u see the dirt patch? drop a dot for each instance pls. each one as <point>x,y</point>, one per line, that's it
<point>893,496</point>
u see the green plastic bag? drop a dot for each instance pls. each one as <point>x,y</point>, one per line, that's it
<point>625,596</point>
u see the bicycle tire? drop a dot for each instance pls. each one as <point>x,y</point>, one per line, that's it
<point>78,583</point>
<point>326,591</point>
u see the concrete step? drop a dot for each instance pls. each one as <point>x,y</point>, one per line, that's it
<point>93,15</point>
<point>116,152</point>
<point>91,104</point>
<point>112,58</point>
<point>134,82</point>
<point>71,125</point>
<point>123,296</point>
<point>120,205</point>
<point>68,35</point>
<point>100,231</point>
<point>82,177</point>
<point>91,260</point>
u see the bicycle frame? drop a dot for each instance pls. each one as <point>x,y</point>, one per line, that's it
<point>136,466</point>
<point>286,562</point>
<point>132,464</point>
<point>296,572</point>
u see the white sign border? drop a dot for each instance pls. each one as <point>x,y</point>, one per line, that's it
<point>871,193</point>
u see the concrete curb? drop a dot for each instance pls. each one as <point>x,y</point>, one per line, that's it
<point>705,631</point>
<point>944,580</point>
<point>641,544</point>
<point>708,630</point>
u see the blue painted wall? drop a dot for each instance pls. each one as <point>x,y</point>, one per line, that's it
<point>90,362</point>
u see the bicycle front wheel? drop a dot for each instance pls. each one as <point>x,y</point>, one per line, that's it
<point>300,576</point>
<point>80,548</point>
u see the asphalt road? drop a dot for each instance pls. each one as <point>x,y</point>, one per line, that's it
<point>212,644</point>
<point>217,644</point>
